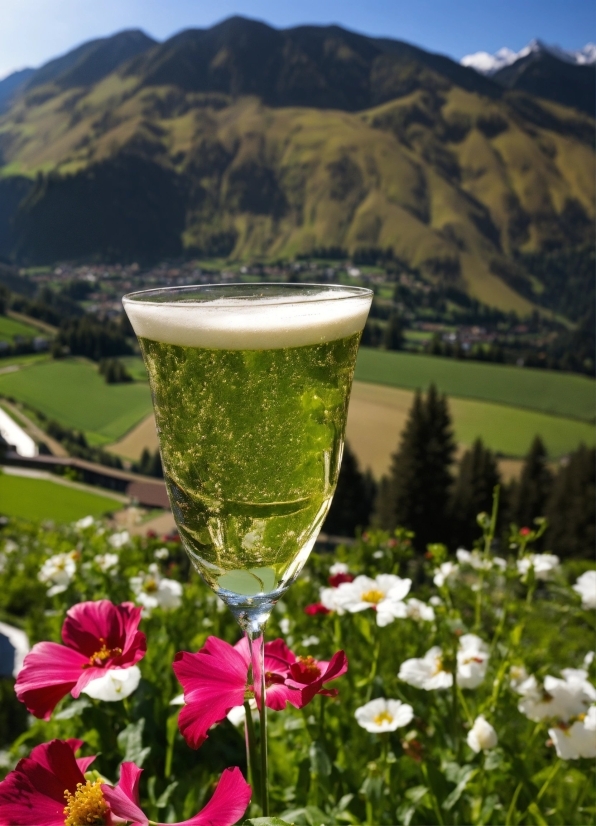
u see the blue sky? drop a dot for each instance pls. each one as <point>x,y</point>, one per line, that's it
<point>33,31</point>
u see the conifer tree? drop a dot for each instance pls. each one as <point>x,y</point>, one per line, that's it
<point>416,493</point>
<point>571,510</point>
<point>352,503</point>
<point>528,496</point>
<point>472,492</point>
<point>393,338</point>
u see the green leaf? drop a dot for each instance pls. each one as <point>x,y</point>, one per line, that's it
<point>267,821</point>
<point>73,709</point>
<point>130,743</point>
<point>164,798</point>
<point>537,815</point>
<point>455,795</point>
<point>319,761</point>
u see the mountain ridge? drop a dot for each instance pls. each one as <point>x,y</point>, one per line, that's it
<point>198,146</point>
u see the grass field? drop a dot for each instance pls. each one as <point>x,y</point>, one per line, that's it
<point>44,499</point>
<point>72,392</point>
<point>547,391</point>
<point>10,327</point>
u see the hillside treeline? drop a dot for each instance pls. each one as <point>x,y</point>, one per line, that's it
<point>430,493</point>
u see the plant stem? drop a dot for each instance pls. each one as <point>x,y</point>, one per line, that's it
<point>256,678</point>
<point>433,797</point>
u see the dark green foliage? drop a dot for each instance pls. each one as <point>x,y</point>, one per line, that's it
<point>528,497</point>
<point>114,372</point>
<point>472,493</point>
<point>567,276</point>
<point>352,503</point>
<point>93,338</point>
<point>416,493</point>
<point>393,338</point>
<point>76,444</point>
<point>149,464</point>
<point>48,306</point>
<point>121,209</point>
<point>570,510</point>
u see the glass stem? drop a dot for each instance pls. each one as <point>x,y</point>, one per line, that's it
<point>256,642</point>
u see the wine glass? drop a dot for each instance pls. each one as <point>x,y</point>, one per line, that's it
<point>250,387</point>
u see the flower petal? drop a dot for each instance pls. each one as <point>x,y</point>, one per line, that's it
<point>49,672</point>
<point>123,798</point>
<point>229,802</point>
<point>89,623</point>
<point>196,718</point>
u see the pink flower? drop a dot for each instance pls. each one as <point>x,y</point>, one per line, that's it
<point>310,675</point>
<point>336,579</point>
<point>229,802</point>
<point>316,608</point>
<point>98,636</point>
<point>44,784</point>
<point>48,788</point>
<point>524,531</point>
<point>215,681</point>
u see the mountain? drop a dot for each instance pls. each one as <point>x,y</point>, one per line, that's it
<point>488,64</point>
<point>249,142</point>
<point>10,86</point>
<point>547,71</point>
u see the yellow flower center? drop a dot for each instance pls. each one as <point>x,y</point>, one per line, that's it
<point>150,586</point>
<point>86,807</point>
<point>438,666</point>
<point>309,667</point>
<point>374,596</point>
<point>383,717</point>
<point>99,657</point>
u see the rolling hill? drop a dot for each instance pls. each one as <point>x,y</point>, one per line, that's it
<point>245,141</point>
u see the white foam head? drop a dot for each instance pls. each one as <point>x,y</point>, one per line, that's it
<point>253,322</point>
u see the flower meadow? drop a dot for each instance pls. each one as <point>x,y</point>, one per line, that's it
<point>402,689</point>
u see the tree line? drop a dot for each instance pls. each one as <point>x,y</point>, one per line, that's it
<point>429,493</point>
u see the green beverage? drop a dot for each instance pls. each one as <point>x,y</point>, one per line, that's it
<point>250,401</point>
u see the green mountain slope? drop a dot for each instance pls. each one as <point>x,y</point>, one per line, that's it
<point>199,146</point>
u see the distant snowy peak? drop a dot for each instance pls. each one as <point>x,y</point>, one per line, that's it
<point>489,64</point>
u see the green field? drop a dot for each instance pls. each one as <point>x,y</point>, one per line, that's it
<point>547,391</point>
<point>10,328</point>
<point>43,499</point>
<point>72,392</point>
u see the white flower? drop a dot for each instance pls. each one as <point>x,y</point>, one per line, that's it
<point>517,676</point>
<point>426,672</point>
<point>482,735</point>
<point>588,659</point>
<point>115,684</point>
<point>106,561</point>
<point>84,523</point>
<point>586,588</point>
<point>472,661</point>
<point>58,570</point>
<point>237,714</point>
<point>590,718</point>
<point>382,715</point>
<point>10,547</point>
<point>478,561</point>
<point>118,540</point>
<point>328,598</point>
<point>414,608</point>
<point>544,565</point>
<point>339,568</point>
<point>557,699</point>
<point>435,600</point>
<point>380,593</point>
<point>446,571</point>
<point>178,700</point>
<point>378,554</point>
<point>154,591</point>
<point>308,641</point>
<point>574,741</point>
<point>161,553</point>
<point>285,625</point>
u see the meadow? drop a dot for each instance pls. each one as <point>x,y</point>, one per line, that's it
<point>559,394</point>
<point>30,498</point>
<point>72,392</point>
<point>10,327</point>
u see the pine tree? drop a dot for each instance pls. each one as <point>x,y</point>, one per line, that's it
<point>570,510</point>
<point>352,503</point>
<point>472,492</point>
<point>416,493</point>
<point>528,497</point>
<point>393,338</point>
